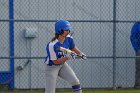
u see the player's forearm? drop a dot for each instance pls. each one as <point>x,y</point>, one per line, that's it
<point>60,60</point>
<point>76,50</point>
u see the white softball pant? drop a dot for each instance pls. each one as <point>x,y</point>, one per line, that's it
<point>65,72</point>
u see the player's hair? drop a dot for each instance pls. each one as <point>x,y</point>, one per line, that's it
<point>55,37</point>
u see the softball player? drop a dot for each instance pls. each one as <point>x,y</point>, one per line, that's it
<point>135,41</point>
<point>56,59</point>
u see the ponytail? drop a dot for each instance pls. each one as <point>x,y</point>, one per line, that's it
<point>54,38</point>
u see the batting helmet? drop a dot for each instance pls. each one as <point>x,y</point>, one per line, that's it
<point>62,25</point>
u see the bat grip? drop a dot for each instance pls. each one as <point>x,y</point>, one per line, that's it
<point>82,57</point>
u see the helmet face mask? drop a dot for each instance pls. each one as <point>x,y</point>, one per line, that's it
<point>62,25</point>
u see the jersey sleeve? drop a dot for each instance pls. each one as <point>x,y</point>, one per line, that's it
<point>71,43</point>
<point>52,54</point>
<point>135,36</point>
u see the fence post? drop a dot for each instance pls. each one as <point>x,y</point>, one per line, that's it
<point>114,44</point>
<point>11,39</point>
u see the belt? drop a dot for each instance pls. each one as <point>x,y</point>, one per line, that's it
<point>54,64</point>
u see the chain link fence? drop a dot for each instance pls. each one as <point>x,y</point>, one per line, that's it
<point>101,30</point>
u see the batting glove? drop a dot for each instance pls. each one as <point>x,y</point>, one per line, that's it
<point>71,56</point>
<point>83,56</point>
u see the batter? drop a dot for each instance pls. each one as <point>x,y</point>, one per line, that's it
<point>56,59</point>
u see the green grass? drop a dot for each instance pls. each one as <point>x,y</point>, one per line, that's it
<point>70,91</point>
<point>113,91</point>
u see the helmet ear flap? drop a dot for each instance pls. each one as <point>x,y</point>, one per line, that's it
<point>61,31</point>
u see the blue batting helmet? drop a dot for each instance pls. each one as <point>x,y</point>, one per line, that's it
<point>62,25</point>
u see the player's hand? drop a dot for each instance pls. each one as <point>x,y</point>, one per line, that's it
<point>83,56</point>
<point>71,56</point>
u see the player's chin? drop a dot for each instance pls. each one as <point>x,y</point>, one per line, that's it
<point>65,35</point>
